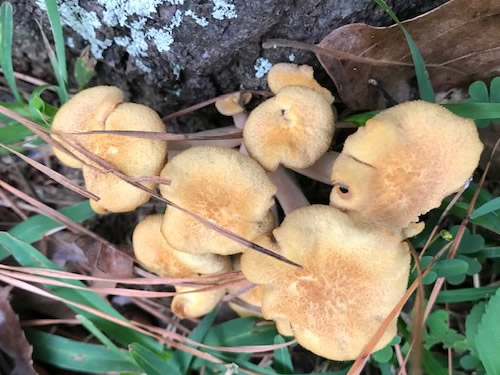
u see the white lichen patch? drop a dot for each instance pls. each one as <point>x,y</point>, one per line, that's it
<point>142,66</point>
<point>133,16</point>
<point>176,70</point>
<point>70,42</point>
<point>83,22</point>
<point>223,10</point>
<point>202,21</point>
<point>291,57</point>
<point>262,66</point>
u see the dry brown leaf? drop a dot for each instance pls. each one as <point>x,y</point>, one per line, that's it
<point>458,41</point>
<point>12,339</point>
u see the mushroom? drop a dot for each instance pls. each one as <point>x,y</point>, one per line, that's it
<point>294,128</point>
<point>403,163</point>
<point>234,106</point>
<point>87,109</point>
<point>101,108</point>
<point>221,185</point>
<point>352,276</point>
<point>286,74</point>
<point>250,296</point>
<point>135,157</point>
<point>159,257</point>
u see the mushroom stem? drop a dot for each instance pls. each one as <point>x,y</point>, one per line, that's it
<point>289,194</point>
<point>240,119</point>
<point>322,169</point>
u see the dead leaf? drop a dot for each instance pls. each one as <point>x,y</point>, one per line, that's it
<point>12,340</point>
<point>458,41</point>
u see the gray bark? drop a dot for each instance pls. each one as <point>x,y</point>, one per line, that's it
<point>169,54</point>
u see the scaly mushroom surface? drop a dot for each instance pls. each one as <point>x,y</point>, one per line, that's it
<point>159,257</point>
<point>101,108</point>
<point>352,276</point>
<point>294,128</point>
<point>403,163</point>
<point>286,74</point>
<point>87,109</point>
<point>221,185</point>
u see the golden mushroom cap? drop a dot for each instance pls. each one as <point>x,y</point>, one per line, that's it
<point>221,185</point>
<point>293,128</point>
<point>194,305</point>
<point>404,162</point>
<point>234,104</point>
<point>82,111</point>
<point>252,297</point>
<point>135,157</point>
<point>159,257</point>
<point>286,74</point>
<point>352,276</point>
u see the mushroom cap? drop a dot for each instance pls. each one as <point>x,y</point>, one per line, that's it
<point>404,162</point>
<point>194,305</point>
<point>352,276</point>
<point>293,128</point>
<point>90,106</point>
<point>218,184</point>
<point>286,74</point>
<point>252,297</point>
<point>159,257</point>
<point>135,157</point>
<point>234,104</point>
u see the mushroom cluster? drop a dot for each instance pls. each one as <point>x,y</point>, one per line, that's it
<point>353,255</point>
<point>102,108</point>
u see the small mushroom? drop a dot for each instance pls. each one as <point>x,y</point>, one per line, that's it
<point>221,185</point>
<point>234,106</point>
<point>87,109</point>
<point>352,276</point>
<point>403,163</point>
<point>286,74</point>
<point>157,256</point>
<point>135,157</point>
<point>294,128</point>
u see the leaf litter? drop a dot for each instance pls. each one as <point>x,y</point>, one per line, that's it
<point>12,340</point>
<point>458,41</point>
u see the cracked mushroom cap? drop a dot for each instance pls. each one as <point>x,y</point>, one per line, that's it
<point>286,74</point>
<point>134,157</point>
<point>352,276</point>
<point>293,128</point>
<point>86,109</point>
<point>404,162</point>
<point>157,256</point>
<point>221,185</point>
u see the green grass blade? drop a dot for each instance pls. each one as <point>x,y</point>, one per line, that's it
<point>487,338</point>
<point>27,256</point>
<point>35,227</point>
<point>103,338</point>
<point>424,84</point>
<point>282,361</point>
<point>486,208</point>
<point>6,32</point>
<point>151,363</point>
<point>60,66</point>
<point>39,109</point>
<point>76,356</point>
<point>465,294</point>
<point>182,360</point>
